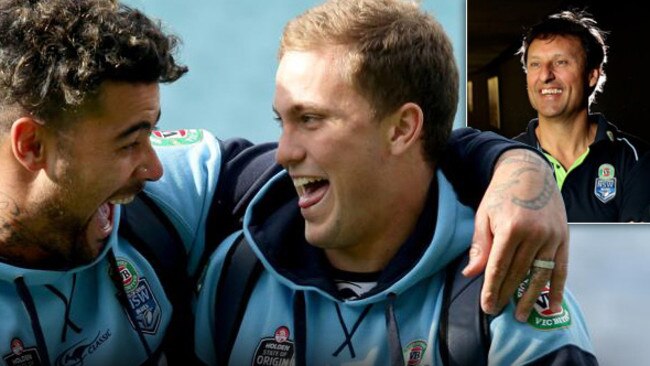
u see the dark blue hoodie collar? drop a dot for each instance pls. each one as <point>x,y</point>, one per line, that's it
<point>277,228</point>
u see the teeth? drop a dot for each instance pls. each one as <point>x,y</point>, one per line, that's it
<point>122,200</point>
<point>299,182</point>
<point>551,91</point>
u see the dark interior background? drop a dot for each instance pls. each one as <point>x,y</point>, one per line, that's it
<point>494,32</point>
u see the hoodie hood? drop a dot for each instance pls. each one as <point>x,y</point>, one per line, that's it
<point>274,227</point>
<point>33,277</point>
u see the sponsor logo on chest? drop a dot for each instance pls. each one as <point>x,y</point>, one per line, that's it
<point>176,138</point>
<point>275,351</point>
<point>414,352</point>
<point>21,356</point>
<point>605,185</point>
<point>142,300</point>
<point>542,317</point>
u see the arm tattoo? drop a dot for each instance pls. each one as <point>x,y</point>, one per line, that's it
<point>534,164</point>
<point>541,200</point>
<point>11,227</point>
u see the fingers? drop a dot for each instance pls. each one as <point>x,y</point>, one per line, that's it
<point>558,278</point>
<point>496,270</point>
<point>519,269</point>
<point>539,278</point>
<point>481,245</point>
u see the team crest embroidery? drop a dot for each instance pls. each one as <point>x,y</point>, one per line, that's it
<point>21,356</point>
<point>605,186</point>
<point>176,138</point>
<point>414,352</point>
<point>141,299</point>
<point>542,317</point>
<point>276,351</point>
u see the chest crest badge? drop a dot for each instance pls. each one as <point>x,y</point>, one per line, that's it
<point>605,185</point>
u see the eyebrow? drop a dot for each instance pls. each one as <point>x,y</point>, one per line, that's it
<point>298,108</point>
<point>142,125</point>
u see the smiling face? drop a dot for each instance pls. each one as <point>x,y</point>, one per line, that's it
<point>335,150</point>
<point>558,84</point>
<point>104,158</point>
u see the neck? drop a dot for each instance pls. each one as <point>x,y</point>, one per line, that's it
<point>402,207</point>
<point>35,233</point>
<point>566,139</point>
<point>19,240</point>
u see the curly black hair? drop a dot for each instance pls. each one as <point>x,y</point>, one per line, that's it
<point>55,54</point>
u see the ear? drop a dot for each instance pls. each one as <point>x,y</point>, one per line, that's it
<point>27,143</point>
<point>406,128</point>
<point>593,76</point>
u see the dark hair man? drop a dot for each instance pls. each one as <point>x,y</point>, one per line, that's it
<point>597,167</point>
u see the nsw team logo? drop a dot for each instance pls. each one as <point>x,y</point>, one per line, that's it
<point>542,317</point>
<point>175,138</point>
<point>605,186</point>
<point>141,299</point>
<point>276,350</point>
<point>21,356</point>
<point>414,352</point>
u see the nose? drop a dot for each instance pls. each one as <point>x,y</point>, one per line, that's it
<point>290,151</point>
<point>151,169</point>
<point>546,73</point>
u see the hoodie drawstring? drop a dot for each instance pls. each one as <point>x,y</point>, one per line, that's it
<point>300,327</point>
<point>349,334</point>
<point>123,299</point>
<point>66,301</point>
<point>28,301</point>
<point>394,342</point>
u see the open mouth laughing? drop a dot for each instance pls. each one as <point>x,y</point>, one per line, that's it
<point>311,190</point>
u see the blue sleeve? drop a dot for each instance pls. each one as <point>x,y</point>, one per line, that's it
<point>469,159</point>
<point>245,168</point>
<point>545,339</point>
<point>206,185</point>
<point>205,318</point>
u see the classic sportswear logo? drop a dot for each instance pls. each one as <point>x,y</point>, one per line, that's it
<point>175,138</point>
<point>75,355</point>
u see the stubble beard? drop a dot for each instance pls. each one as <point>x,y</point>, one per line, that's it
<point>47,236</point>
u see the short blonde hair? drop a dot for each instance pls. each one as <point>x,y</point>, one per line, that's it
<point>397,54</point>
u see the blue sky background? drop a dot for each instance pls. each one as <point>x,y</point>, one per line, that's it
<point>230,47</point>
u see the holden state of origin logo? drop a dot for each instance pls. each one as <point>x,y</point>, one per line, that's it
<point>128,275</point>
<point>175,138</point>
<point>542,317</point>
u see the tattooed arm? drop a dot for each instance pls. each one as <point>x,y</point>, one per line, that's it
<point>521,218</point>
